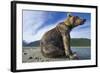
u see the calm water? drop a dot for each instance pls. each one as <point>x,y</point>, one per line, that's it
<point>82,53</point>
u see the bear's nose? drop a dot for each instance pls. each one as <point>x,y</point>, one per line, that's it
<point>84,20</point>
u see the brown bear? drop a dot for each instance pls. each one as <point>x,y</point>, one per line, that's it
<point>56,42</point>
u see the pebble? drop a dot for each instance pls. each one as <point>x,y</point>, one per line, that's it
<point>25,53</point>
<point>30,57</point>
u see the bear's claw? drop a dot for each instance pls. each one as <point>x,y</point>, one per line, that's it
<point>73,57</point>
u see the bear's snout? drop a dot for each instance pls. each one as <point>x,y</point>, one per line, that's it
<point>84,20</point>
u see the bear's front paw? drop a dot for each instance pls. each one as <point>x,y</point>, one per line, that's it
<point>73,56</point>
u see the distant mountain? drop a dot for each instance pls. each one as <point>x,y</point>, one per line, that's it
<point>24,43</point>
<point>74,42</point>
<point>36,43</point>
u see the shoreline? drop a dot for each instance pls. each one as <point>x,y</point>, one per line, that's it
<point>81,47</point>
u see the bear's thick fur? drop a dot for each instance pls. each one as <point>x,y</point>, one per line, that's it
<point>56,42</point>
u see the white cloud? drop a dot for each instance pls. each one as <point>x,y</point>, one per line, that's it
<point>31,21</point>
<point>37,36</point>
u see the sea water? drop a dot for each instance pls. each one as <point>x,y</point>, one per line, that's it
<point>82,53</point>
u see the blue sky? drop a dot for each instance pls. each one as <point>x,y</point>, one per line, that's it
<point>36,23</point>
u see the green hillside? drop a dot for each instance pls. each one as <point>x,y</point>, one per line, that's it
<point>80,42</point>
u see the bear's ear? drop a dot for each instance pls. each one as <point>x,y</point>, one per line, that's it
<point>69,15</point>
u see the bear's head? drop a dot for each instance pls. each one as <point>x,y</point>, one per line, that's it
<point>73,21</point>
